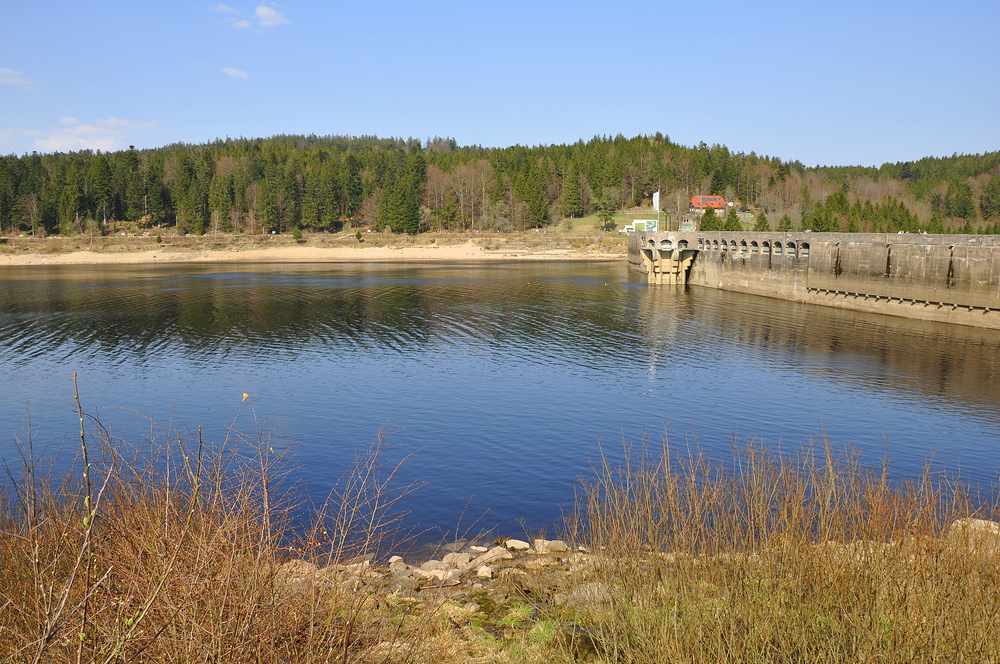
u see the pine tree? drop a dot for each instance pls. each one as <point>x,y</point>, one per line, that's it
<point>133,184</point>
<point>353,186</point>
<point>785,224</point>
<point>153,192</point>
<point>733,222</point>
<point>761,224</point>
<point>570,203</point>
<point>710,221</point>
<point>530,188</point>
<point>718,184</point>
<point>220,200</point>
<point>99,177</point>
<point>989,201</point>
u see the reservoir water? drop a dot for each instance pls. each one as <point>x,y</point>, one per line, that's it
<point>502,377</point>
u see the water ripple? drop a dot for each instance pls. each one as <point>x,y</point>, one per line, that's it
<point>513,371</point>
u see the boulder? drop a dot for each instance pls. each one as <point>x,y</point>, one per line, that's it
<point>491,556</point>
<point>545,546</point>
<point>398,566</point>
<point>300,575</point>
<point>977,534</point>
<point>517,545</point>
<point>457,559</point>
<point>403,585</point>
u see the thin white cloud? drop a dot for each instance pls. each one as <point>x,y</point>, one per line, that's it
<point>106,134</point>
<point>234,72</point>
<point>264,16</point>
<point>11,77</point>
<point>268,17</point>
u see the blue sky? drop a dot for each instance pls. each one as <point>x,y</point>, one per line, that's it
<point>822,82</point>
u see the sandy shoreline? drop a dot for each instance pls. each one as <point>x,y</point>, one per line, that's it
<point>303,254</point>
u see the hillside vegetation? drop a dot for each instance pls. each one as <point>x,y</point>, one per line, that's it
<point>288,183</point>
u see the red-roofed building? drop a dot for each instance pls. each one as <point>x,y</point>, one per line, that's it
<point>705,202</point>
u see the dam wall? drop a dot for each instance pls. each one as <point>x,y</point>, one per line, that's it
<point>948,278</point>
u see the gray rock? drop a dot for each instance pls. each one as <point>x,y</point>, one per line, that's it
<point>491,556</point>
<point>356,568</point>
<point>296,569</point>
<point>457,559</point>
<point>399,567</point>
<point>403,585</point>
<point>517,545</point>
<point>550,546</point>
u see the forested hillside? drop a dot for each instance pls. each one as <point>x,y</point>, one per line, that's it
<point>322,183</point>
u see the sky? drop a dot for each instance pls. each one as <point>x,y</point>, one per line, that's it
<point>821,82</point>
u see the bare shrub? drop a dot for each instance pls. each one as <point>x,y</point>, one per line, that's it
<point>174,549</point>
<point>774,557</point>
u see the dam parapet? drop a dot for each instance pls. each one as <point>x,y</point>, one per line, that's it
<point>949,278</point>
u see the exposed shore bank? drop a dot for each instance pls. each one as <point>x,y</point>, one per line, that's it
<point>333,249</point>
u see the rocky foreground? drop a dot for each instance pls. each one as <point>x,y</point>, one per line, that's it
<point>470,569</point>
<point>514,598</point>
<point>487,597</point>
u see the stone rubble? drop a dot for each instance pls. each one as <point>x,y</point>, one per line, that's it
<point>464,568</point>
<point>513,567</point>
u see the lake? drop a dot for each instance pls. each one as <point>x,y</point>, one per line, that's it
<point>502,377</point>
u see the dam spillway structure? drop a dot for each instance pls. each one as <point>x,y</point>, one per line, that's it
<point>947,278</point>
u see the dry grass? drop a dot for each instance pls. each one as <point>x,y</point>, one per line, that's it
<point>772,558</point>
<point>174,550</point>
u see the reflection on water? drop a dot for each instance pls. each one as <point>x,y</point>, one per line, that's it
<point>509,371</point>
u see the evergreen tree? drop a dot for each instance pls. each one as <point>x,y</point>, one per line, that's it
<point>761,224</point>
<point>989,201</point>
<point>733,222</point>
<point>313,199</point>
<point>99,177</point>
<point>530,188</point>
<point>220,200</point>
<point>785,224</point>
<point>353,186</point>
<point>133,208</point>
<point>71,204</point>
<point>153,202</point>
<point>266,213</point>
<point>718,184</point>
<point>570,202</point>
<point>710,221</point>
<point>960,202</point>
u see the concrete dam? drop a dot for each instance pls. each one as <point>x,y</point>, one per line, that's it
<point>947,278</point>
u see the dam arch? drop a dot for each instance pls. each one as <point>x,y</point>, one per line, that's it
<point>948,278</point>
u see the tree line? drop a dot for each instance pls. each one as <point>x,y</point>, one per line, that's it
<point>313,183</point>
